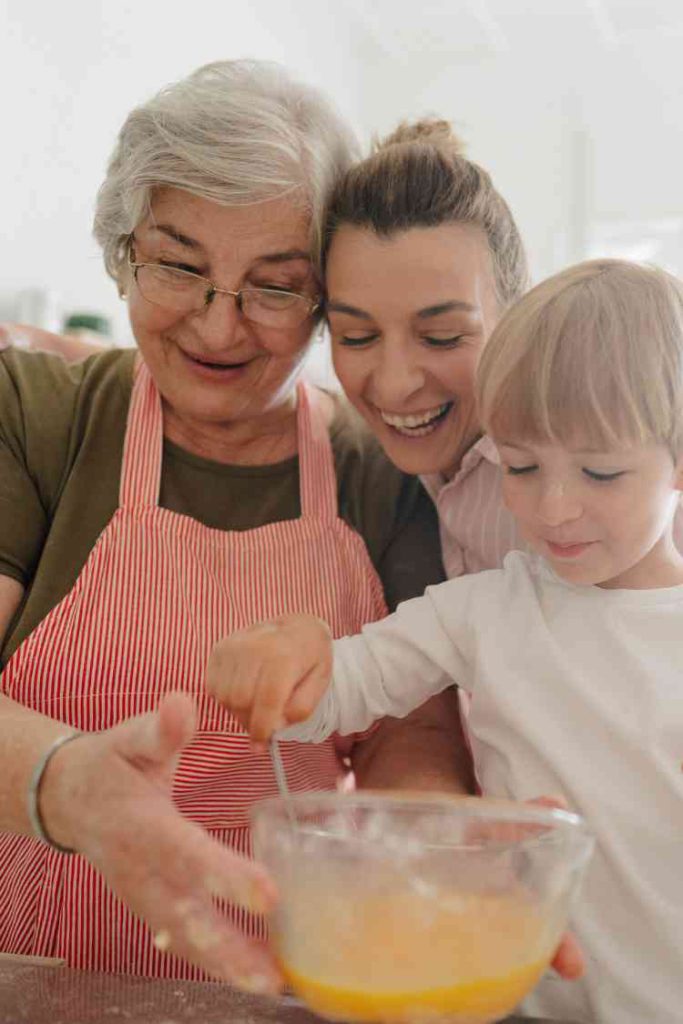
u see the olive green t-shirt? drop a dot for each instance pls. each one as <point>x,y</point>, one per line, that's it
<point>61,441</point>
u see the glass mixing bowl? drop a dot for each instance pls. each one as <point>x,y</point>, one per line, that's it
<point>412,908</point>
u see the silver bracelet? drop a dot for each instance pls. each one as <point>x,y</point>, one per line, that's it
<point>33,794</point>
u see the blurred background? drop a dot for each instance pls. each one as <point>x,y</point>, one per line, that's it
<point>575,106</point>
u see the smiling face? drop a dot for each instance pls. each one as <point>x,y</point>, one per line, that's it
<point>214,368</point>
<point>598,517</point>
<point>408,316</point>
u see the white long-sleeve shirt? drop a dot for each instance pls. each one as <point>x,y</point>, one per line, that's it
<point>575,691</point>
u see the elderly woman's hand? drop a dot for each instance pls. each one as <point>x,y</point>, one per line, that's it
<point>108,795</point>
<point>273,674</point>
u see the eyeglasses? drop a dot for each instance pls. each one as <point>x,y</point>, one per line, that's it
<point>185,292</point>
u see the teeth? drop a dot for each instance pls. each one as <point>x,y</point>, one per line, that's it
<point>416,420</point>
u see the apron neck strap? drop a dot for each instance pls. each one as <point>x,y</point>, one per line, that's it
<point>317,473</point>
<point>143,448</point>
<point>143,444</point>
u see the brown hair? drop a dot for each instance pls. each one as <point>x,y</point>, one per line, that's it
<point>419,177</point>
<point>596,351</point>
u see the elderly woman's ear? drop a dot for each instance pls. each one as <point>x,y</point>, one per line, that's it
<point>70,347</point>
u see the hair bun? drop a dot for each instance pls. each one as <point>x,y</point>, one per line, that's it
<point>432,131</point>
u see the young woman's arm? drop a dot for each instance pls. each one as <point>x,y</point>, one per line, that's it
<point>69,346</point>
<point>11,593</point>
<point>426,750</point>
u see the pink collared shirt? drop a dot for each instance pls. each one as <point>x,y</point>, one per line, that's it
<point>477,531</point>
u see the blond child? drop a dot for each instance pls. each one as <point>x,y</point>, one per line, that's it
<point>573,656</point>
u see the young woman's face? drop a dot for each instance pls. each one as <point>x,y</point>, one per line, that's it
<point>409,316</point>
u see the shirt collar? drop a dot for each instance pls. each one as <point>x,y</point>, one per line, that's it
<point>483,450</point>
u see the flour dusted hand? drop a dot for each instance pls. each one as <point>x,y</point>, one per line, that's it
<point>108,795</point>
<point>273,674</point>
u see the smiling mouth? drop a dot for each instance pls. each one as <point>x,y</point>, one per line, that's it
<point>212,365</point>
<point>416,424</point>
<point>568,550</point>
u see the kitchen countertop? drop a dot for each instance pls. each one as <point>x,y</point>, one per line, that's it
<point>48,994</point>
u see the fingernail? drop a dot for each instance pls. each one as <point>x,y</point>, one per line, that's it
<point>249,895</point>
<point>218,887</point>
<point>201,934</point>
<point>258,900</point>
<point>257,984</point>
<point>184,908</point>
<point>162,940</point>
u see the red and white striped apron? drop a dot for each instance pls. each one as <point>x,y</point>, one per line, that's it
<point>158,590</point>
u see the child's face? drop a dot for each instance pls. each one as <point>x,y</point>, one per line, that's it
<point>597,516</point>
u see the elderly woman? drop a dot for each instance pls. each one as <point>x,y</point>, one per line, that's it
<point>152,502</point>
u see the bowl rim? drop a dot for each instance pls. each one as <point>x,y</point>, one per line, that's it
<point>473,808</point>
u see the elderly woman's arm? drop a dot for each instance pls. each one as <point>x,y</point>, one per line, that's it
<point>108,796</point>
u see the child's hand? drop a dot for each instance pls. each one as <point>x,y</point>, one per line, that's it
<point>273,674</point>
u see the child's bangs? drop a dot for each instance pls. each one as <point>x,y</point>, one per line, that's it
<point>566,400</point>
<point>581,359</point>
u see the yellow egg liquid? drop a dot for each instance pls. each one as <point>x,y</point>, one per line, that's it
<point>470,958</point>
<point>483,1000</point>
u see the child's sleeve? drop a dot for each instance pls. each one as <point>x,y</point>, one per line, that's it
<point>395,665</point>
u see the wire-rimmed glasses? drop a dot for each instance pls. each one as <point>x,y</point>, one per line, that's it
<point>186,292</point>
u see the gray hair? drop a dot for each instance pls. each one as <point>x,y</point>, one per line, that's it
<point>234,132</point>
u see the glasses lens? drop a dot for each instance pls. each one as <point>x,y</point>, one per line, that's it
<point>171,288</point>
<point>275,309</point>
<point>184,292</point>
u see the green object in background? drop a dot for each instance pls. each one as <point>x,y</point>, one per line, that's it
<point>91,323</point>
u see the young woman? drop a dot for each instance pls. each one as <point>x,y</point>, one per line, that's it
<point>422,257</point>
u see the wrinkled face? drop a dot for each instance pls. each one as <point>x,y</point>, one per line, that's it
<point>214,365</point>
<point>409,316</point>
<point>597,516</point>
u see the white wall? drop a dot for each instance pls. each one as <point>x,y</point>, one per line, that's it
<point>574,127</point>
<point>69,73</point>
<point>571,134</point>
